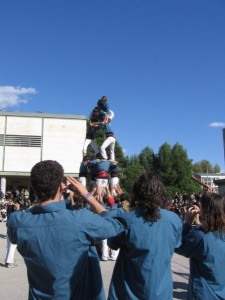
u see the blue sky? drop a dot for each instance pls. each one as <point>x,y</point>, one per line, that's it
<point>161,63</point>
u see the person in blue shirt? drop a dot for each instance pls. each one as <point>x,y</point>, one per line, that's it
<point>57,244</point>
<point>204,244</point>
<point>99,169</point>
<point>143,267</point>
<point>103,106</point>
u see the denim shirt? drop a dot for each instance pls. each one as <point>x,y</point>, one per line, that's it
<point>143,267</point>
<point>57,247</point>
<point>207,262</point>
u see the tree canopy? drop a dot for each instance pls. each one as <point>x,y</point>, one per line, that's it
<point>170,162</point>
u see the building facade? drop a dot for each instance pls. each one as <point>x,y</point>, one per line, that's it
<point>27,138</point>
<point>210,179</point>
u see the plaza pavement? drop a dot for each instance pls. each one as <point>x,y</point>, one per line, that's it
<point>14,285</point>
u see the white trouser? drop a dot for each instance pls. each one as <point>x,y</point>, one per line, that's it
<point>110,141</point>
<point>114,181</point>
<point>83,180</point>
<point>105,250</point>
<point>88,142</point>
<point>102,182</point>
<point>114,254</point>
<point>10,252</point>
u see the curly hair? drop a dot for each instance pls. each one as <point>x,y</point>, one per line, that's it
<point>46,177</point>
<point>212,212</point>
<point>149,193</point>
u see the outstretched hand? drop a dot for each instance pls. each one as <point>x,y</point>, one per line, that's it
<point>77,186</point>
<point>191,213</point>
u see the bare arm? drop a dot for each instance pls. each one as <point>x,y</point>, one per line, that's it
<point>89,198</point>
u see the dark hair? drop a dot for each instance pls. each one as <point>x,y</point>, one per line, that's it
<point>46,177</point>
<point>96,109</point>
<point>212,212</point>
<point>149,193</point>
<point>98,156</point>
<point>104,98</point>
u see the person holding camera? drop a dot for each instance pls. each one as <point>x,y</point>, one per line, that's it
<point>204,244</point>
<point>57,244</point>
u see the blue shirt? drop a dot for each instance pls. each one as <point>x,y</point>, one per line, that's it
<point>98,165</point>
<point>207,263</point>
<point>143,267</point>
<point>104,107</point>
<point>56,245</point>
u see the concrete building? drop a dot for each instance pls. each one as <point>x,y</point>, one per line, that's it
<point>221,186</point>
<point>211,179</point>
<point>27,138</point>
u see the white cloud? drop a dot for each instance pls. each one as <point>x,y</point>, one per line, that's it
<point>217,124</point>
<point>11,96</point>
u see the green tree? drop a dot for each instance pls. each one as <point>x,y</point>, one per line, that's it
<point>133,170</point>
<point>165,165</point>
<point>216,168</point>
<point>175,169</point>
<point>204,166</point>
<point>147,159</point>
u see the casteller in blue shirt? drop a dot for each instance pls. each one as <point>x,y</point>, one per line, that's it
<point>143,267</point>
<point>57,243</point>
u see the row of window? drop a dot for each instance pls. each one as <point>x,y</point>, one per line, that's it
<point>20,140</point>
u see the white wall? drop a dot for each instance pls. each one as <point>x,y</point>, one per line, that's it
<point>21,159</point>
<point>2,131</point>
<point>62,140</point>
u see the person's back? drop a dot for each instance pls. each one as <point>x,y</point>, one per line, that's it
<point>145,254</point>
<point>207,266</point>
<point>57,243</point>
<point>143,267</point>
<point>57,240</point>
<point>204,244</point>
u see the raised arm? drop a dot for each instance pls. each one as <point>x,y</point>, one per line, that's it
<point>88,197</point>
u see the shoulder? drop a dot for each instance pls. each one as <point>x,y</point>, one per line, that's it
<point>18,218</point>
<point>170,216</point>
<point>131,217</point>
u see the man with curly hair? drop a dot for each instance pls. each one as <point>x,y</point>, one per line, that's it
<point>57,244</point>
<point>143,267</point>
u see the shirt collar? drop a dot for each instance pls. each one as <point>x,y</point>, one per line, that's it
<point>55,206</point>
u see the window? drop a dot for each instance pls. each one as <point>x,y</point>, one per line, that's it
<point>22,141</point>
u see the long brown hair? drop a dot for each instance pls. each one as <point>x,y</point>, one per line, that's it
<point>212,212</point>
<point>149,194</point>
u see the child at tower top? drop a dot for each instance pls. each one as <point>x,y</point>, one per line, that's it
<point>104,109</point>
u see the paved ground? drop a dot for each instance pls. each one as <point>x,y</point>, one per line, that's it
<point>14,284</point>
